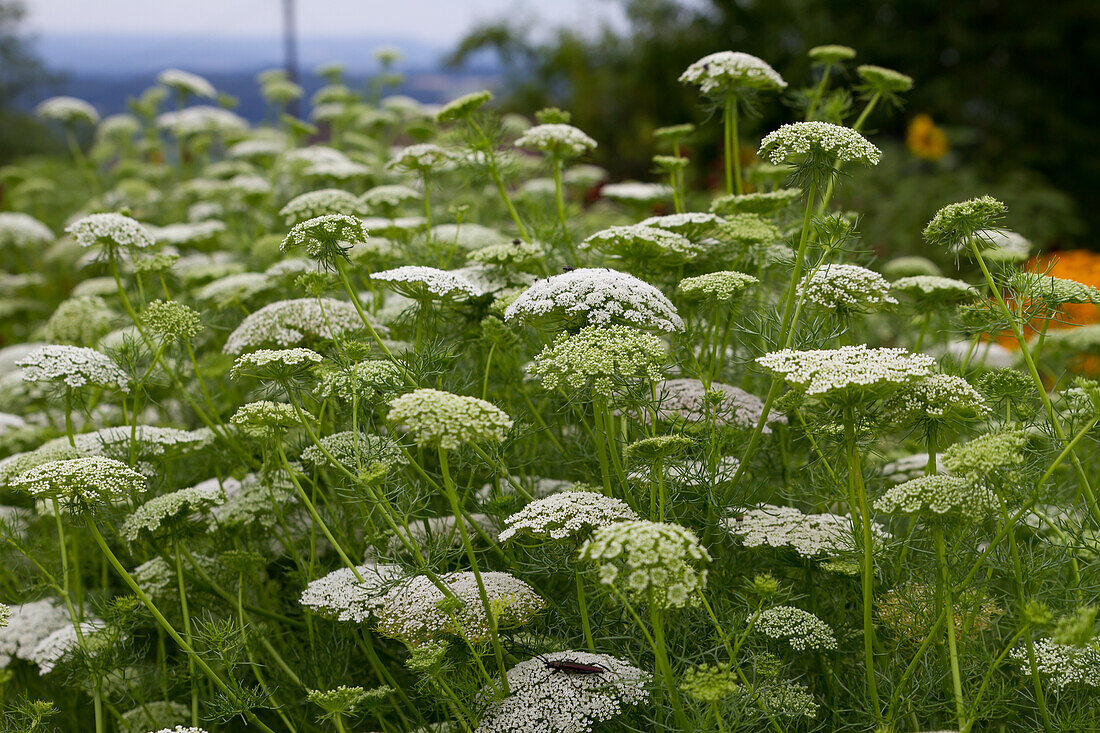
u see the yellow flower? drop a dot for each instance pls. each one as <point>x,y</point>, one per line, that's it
<point>925,140</point>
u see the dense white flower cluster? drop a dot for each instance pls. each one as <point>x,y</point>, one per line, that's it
<point>250,501</point>
<point>597,297</point>
<point>55,648</point>
<point>421,283</point>
<point>201,119</point>
<point>558,701</point>
<point>188,233</point>
<point>690,400</point>
<point>28,625</point>
<point>68,110</point>
<point>642,243</point>
<point>846,288</point>
<point>182,729</point>
<point>1003,245</point>
<point>368,381</point>
<point>939,495</point>
<point>326,238</point>
<point>935,397</point>
<point>389,196</point>
<point>809,535</point>
<point>727,71</point>
<point>416,611</point>
<point>1064,665</point>
<point>563,141</point>
<point>290,322</point>
<point>569,514</point>
<point>312,204</point>
<point>345,597</point>
<point>636,192</point>
<point>792,142</point>
<point>757,202</point>
<point>908,467</point>
<point>110,230</point>
<point>599,358</point>
<point>264,419</point>
<point>268,362</point>
<point>422,157</point>
<point>148,441</point>
<point>259,147</point>
<point>801,629</point>
<point>446,420</point>
<point>187,83</point>
<point>829,371</point>
<point>716,287</point>
<point>352,450</point>
<point>651,562</point>
<point>691,224</point>
<point>80,481</point>
<point>233,289</point>
<point>74,366</point>
<point>22,230</point>
<point>160,510</point>
<point>927,287</point>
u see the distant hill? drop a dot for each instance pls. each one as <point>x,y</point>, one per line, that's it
<point>107,69</point>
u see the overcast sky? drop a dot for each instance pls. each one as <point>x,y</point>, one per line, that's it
<point>429,20</point>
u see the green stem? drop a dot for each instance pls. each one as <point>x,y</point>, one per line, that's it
<point>857,491</point>
<point>490,616</point>
<point>949,609</point>
<point>171,631</point>
<point>191,677</point>
<point>582,603</point>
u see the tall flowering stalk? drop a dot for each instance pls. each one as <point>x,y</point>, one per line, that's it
<point>732,80</point>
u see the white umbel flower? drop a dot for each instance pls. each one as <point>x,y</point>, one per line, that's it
<point>651,562</point>
<point>416,611</point>
<point>1064,665</point>
<point>68,110</point>
<point>29,624</point>
<point>558,701</point>
<point>56,647</point>
<point>845,289</point>
<point>727,71</point>
<point>569,514</point>
<point>155,513</point>
<point>790,143</point>
<point>563,141</point>
<point>288,323</point>
<point>849,368</point>
<point>597,297</point>
<point>73,366</point>
<point>436,418</point>
<point>187,83</point>
<point>110,230</point>
<point>691,401</point>
<point>343,596</point>
<point>801,629</point>
<point>419,282</point>
<point>809,535</point>
<point>81,481</point>
<point>22,230</point>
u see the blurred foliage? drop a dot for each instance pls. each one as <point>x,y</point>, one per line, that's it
<point>1008,78</point>
<point>20,70</point>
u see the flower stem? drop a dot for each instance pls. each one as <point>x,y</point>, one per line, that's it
<point>163,622</point>
<point>949,609</point>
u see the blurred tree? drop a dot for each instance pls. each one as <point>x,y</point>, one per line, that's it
<point>20,70</point>
<point>1012,80</point>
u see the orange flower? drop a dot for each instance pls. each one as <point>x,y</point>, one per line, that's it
<point>925,140</point>
<point>1080,265</point>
